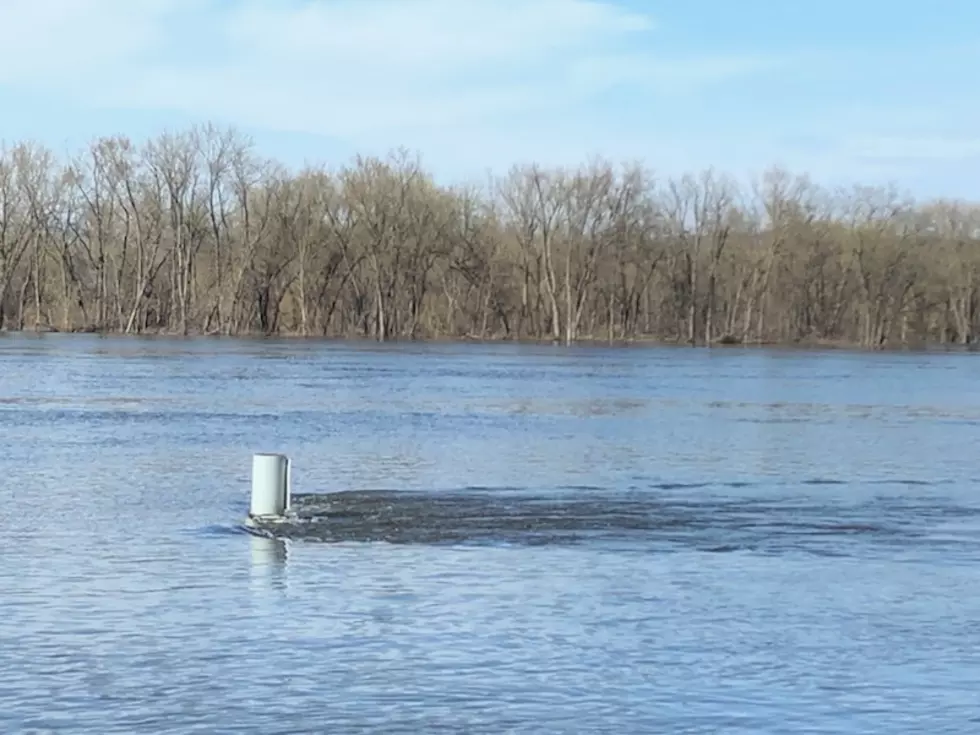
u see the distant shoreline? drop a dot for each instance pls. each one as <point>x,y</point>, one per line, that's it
<point>197,232</point>
<point>586,342</point>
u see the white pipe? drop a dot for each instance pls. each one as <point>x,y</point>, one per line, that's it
<point>271,486</point>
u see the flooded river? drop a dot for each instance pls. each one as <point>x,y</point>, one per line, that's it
<point>495,539</point>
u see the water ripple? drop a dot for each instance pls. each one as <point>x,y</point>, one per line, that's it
<point>564,541</point>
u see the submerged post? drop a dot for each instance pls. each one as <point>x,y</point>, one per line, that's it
<point>271,486</point>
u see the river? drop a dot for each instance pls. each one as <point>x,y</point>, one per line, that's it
<point>583,540</point>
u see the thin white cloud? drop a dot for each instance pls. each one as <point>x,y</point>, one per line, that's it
<point>60,43</point>
<point>647,70</point>
<point>353,69</point>
<point>411,36</point>
<point>894,148</point>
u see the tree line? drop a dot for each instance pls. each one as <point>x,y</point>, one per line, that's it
<point>195,232</point>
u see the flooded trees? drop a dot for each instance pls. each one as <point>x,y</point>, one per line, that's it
<point>22,222</point>
<point>195,232</point>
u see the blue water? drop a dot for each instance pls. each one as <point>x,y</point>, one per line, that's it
<point>808,560</point>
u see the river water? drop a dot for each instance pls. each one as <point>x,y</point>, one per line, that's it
<point>569,540</point>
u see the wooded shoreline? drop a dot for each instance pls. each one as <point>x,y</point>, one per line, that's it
<point>581,342</point>
<point>196,233</point>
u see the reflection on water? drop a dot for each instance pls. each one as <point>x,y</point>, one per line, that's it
<point>574,541</point>
<point>269,557</point>
<point>268,554</point>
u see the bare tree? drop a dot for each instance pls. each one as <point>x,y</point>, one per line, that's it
<point>194,232</point>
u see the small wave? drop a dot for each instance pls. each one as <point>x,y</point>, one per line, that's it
<point>218,530</point>
<point>909,482</point>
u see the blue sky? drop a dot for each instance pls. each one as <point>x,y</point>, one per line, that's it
<point>864,90</point>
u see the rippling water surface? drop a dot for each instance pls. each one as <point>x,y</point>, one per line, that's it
<point>496,539</point>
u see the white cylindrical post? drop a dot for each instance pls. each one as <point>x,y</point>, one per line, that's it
<point>270,485</point>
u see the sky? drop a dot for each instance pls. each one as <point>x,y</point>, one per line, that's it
<point>848,91</point>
